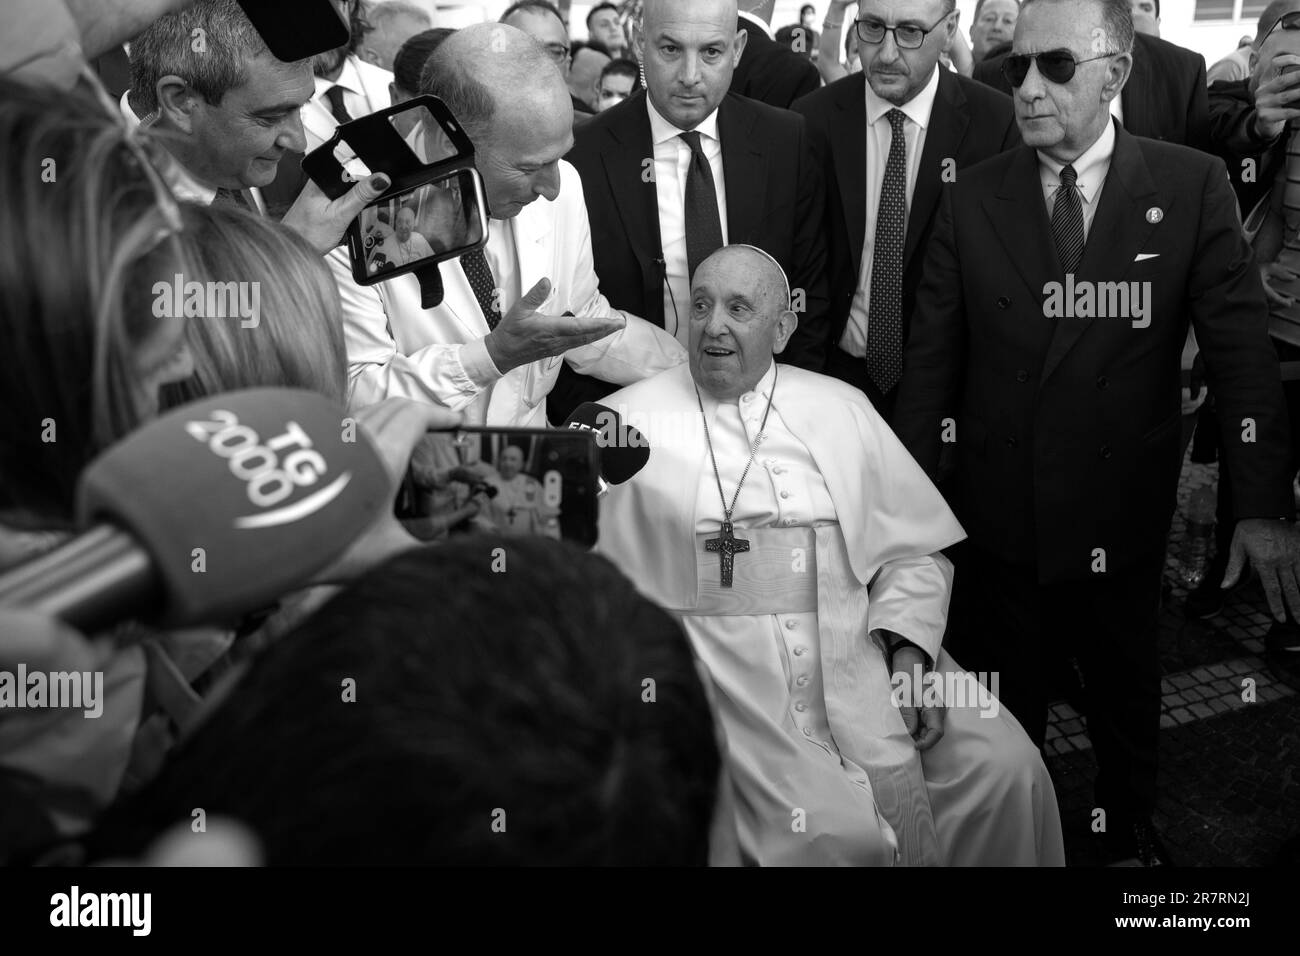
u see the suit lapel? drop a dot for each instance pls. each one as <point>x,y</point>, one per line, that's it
<point>633,194</point>
<point>948,122</point>
<point>744,167</point>
<point>1018,216</point>
<point>1119,230</point>
<point>849,157</point>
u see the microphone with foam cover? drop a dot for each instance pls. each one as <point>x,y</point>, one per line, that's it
<point>215,509</point>
<point>623,449</point>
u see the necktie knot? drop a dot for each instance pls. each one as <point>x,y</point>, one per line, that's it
<point>692,140</point>
<point>335,96</point>
<point>1068,176</point>
<point>896,118</point>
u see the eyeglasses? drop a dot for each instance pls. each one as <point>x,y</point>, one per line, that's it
<point>1288,21</point>
<point>906,35</point>
<point>557,51</point>
<point>1055,65</point>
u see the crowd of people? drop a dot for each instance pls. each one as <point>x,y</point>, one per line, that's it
<point>913,327</point>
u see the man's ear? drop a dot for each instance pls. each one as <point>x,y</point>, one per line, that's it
<point>1117,72</point>
<point>742,37</point>
<point>786,323</point>
<point>177,102</point>
<point>370,56</point>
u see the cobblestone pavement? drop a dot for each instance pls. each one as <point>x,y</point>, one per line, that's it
<point>1229,768</point>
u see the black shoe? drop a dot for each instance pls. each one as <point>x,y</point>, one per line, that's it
<point>1138,844</point>
<point>1209,597</point>
<point>1282,649</point>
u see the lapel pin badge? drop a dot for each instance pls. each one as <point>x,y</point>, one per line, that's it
<point>1154,214</point>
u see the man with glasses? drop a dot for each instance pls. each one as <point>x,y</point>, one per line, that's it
<point>886,140</point>
<point>685,167</point>
<point>542,21</point>
<point>1164,97</point>
<point>1065,414</point>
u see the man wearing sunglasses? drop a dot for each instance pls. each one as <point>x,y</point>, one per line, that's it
<point>1164,97</point>
<point>881,196</point>
<point>1065,419</point>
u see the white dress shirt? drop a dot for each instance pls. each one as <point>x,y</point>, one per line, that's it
<point>1090,170</point>
<point>356,99</point>
<point>672,162</point>
<point>879,136</point>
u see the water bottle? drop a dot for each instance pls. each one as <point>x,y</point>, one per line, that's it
<point>1195,553</point>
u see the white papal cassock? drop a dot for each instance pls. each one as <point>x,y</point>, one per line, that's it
<point>845,531</point>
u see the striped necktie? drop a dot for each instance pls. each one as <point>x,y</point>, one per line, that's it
<point>1067,221</point>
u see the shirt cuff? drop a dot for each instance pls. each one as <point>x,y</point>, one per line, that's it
<point>477,363</point>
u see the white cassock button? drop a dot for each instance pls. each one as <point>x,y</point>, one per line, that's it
<point>807,731</point>
<point>803,680</point>
<point>789,521</point>
<point>785,494</point>
<point>778,471</point>
<point>791,624</point>
<point>801,707</point>
<point>800,650</point>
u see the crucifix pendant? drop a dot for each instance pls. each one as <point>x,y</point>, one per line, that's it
<point>727,545</point>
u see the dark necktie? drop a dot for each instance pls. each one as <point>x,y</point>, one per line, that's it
<point>335,95</point>
<point>885,318</point>
<point>479,274</point>
<point>703,224</point>
<point>1067,221</point>
<point>232,197</point>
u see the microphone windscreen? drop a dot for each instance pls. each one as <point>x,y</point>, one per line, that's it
<point>240,497</point>
<point>623,449</point>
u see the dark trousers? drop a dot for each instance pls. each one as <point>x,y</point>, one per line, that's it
<point>846,368</point>
<point>1003,620</point>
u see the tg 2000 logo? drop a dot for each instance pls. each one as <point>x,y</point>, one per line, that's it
<point>268,482</point>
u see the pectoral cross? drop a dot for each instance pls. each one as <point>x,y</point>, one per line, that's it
<point>727,545</point>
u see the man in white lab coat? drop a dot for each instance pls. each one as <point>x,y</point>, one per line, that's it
<point>493,348</point>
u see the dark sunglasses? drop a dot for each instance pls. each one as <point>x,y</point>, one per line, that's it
<point>1055,65</point>
<point>1288,21</point>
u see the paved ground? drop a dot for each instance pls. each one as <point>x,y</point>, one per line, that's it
<point>1229,768</point>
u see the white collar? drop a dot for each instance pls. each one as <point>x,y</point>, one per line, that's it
<point>661,131</point>
<point>760,391</point>
<point>917,109</point>
<point>349,79</point>
<point>1090,168</point>
<point>758,22</point>
<point>186,186</point>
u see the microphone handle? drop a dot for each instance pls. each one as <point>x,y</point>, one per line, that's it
<point>90,582</point>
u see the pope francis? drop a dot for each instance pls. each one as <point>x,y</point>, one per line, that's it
<point>799,543</point>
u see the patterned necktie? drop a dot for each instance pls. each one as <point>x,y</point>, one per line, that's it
<point>232,197</point>
<point>703,224</point>
<point>885,318</point>
<point>479,274</point>
<point>335,95</point>
<point>1067,221</point>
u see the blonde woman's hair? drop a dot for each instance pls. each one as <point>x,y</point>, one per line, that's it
<point>295,340</point>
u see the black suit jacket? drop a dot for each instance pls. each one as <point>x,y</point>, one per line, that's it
<point>774,195</point>
<point>1067,429</point>
<point>772,73</point>
<point>1164,97</point>
<point>969,123</point>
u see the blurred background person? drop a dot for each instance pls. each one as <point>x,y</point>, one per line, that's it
<point>543,21</point>
<point>617,81</point>
<point>838,24</point>
<point>346,87</point>
<point>1146,16</point>
<point>1234,66</point>
<point>993,24</point>
<point>588,60</point>
<point>605,25</point>
<point>392,23</point>
<point>769,71</point>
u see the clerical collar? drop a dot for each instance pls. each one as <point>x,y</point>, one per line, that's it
<point>661,131</point>
<point>757,396</point>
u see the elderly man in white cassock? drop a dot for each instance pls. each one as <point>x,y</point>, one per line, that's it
<point>799,543</point>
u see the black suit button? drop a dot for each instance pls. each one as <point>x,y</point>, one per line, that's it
<point>1004,302</point>
<point>1101,381</point>
<point>1022,376</point>
<point>1104,451</point>
<point>1011,442</point>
